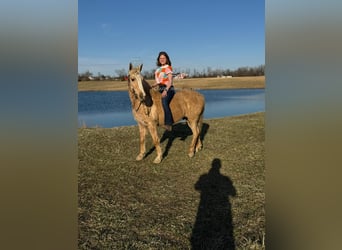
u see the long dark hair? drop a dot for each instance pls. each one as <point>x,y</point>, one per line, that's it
<point>163,53</point>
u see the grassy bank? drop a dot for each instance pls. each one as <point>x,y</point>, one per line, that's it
<point>197,83</point>
<point>216,198</point>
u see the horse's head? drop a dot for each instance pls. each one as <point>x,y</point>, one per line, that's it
<point>135,82</point>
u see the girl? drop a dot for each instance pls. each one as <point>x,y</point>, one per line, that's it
<point>163,77</point>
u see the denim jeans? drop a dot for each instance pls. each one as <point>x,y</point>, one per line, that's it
<point>165,101</point>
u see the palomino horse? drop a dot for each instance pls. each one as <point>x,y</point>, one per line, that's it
<point>148,111</point>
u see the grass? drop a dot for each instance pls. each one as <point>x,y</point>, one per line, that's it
<point>215,200</point>
<point>197,83</point>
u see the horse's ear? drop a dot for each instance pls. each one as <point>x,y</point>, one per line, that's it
<point>130,66</point>
<point>140,67</point>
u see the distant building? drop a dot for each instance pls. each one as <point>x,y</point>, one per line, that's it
<point>181,76</point>
<point>221,76</point>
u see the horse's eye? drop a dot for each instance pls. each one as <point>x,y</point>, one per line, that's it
<point>132,79</point>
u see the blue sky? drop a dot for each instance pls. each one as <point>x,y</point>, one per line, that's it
<point>221,34</point>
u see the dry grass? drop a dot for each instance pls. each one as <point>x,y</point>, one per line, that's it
<point>196,83</point>
<point>181,203</point>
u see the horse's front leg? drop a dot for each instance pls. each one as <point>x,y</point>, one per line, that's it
<point>142,132</point>
<point>154,134</point>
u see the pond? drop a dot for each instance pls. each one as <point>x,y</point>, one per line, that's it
<point>108,109</point>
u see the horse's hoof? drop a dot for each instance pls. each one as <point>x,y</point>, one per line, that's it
<point>157,160</point>
<point>191,154</point>
<point>139,157</point>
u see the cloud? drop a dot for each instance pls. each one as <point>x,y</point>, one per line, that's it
<point>106,27</point>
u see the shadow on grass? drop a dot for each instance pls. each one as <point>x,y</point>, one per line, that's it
<point>213,228</point>
<point>181,131</point>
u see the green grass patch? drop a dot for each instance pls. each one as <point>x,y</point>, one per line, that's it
<point>215,200</point>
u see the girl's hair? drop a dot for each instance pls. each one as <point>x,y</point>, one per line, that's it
<point>163,53</point>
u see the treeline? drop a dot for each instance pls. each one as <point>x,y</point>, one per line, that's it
<point>88,76</point>
<point>121,74</point>
<point>209,72</point>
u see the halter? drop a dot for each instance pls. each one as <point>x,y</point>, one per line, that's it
<point>137,75</point>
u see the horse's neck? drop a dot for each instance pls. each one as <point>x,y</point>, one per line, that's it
<point>148,92</point>
<point>146,86</point>
<point>134,101</point>
<point>155,95</point>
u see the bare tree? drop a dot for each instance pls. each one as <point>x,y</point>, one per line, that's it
<point>121,72</point>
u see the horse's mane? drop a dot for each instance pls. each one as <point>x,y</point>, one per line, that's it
<point>147,89</point>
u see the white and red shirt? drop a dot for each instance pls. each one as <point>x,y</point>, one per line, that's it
<point>161,74</point>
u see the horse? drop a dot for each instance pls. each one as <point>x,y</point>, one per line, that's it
<point>148,111</point>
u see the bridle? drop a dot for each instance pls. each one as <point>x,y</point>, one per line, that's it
<point>135,95</point>
<point>136,110</point>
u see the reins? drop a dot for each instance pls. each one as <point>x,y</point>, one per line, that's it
<point>136,98</point>
<point>138,106</point>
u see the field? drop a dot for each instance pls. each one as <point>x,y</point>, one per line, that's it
<point>197,83</point>
<point>215,200</point>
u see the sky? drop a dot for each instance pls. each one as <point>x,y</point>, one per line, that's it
<point>220,34</point>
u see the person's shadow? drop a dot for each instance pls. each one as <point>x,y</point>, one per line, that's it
<point>213,228</point>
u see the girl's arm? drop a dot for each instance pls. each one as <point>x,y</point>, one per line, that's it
<point>169,83</point>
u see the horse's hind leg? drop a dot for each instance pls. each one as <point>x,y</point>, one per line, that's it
<point>142,132</point>
<point>193,124</point>
<point>199,144</point>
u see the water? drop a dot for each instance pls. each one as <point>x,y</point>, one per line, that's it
<point>112,108</point>
<point>104,109</point>
<point>221,103</point>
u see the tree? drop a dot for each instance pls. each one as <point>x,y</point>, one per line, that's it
<point>148,74</point>
<point>85,76</point>
<point>121,73</point>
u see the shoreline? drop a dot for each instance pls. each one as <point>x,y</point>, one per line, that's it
<point>179,122</point>
<point>247,82</point>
